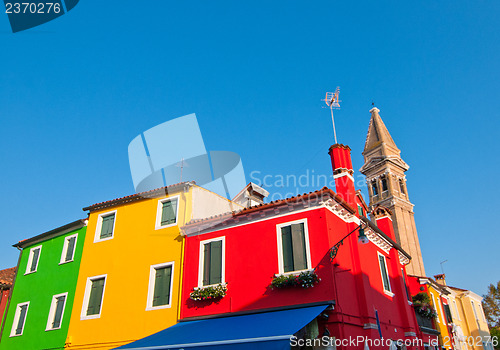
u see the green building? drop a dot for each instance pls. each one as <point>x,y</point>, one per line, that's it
<point>40,307</point>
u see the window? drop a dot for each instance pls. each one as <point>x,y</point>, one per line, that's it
<point>406,286</point>
<point>441,310</point>
<point>435,307</point>
<point>33,259</point>
<point>105,226</point>
<point>94,293</point>
<point>212,262</point>
<point>160,286</point>
<point>360,210</point>
<point>384,183</point>
<point>447,311</point>
<point>166,215</point>
<point>402,186</point>
<point>19,319</point>
<point>374,187</point>
<point>456,309</point>
<point>56,311</point>
<point>68,251</point>
<point>385,275</point>
<point>293,247</point>
<point>475,312</point>
<point>482,312</point>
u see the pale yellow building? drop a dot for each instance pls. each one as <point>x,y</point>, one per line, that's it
<point>469,327</point>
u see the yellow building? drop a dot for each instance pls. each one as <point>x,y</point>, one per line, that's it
<point>470,329</point>
<point>437,294</point>
<point>130,274</point>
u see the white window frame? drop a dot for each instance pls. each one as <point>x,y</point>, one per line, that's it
<point>453,316</point>
<point>201,261</point>
<point>65,249</point>
<point>88,288</point>
<point>387,292</point>
<point>52,311</point>
<point>16,319</point>
<point>97,237</point>
<point>456,309</point>
<point>281,268</point>
<point>481,311</point>
<point>30,260</point>
<point>435,306</point>
<point>159,211</point>
<point>151,286</point>
<point>442,311</point>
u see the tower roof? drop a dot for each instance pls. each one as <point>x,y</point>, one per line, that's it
<point>378,135</point>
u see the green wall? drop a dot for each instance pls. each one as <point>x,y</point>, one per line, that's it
<point>51,278</point>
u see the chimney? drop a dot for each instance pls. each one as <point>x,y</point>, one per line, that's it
<point>251,195</point>
<point>440,279</point>
<point>342,173</point>
<point>382,216</point>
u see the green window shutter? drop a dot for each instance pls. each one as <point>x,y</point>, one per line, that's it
<point>107,226</point>
<point>215,262</point>
<point>286,240</point>
<point>59,310</point>
<point>22,317</point>
<point>34,261</point>
<point>385,278</point>
<point>163,278</point>
<point>206,264</point>
<point>95,298</point>
<point>71,249</point>
<point>299,247</point>
<point>360,210</point>
<point>169,212</point>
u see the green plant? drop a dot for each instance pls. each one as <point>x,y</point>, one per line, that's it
<point>422,305</point>
<point>210,292</point>
<point>421,299</point>
<point>306,279</point>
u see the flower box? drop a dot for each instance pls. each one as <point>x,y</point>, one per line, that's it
<point>305,279</point>
<point>210,292</point>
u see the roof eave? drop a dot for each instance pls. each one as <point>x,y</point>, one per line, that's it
<point>75,225</point>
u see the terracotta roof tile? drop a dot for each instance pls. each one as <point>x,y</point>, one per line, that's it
<point>324,190</point>
<point>7,276</point>
<point>135,196</point>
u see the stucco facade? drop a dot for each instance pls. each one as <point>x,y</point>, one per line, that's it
<point>38,286</point>
<point>127,245</point>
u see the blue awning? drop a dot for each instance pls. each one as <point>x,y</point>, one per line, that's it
<point>267,330</point>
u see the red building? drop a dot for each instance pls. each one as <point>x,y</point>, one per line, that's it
<point>6,281</point>
<point>316,234</point>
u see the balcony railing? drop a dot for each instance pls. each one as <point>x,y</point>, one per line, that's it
<point>425,324</point>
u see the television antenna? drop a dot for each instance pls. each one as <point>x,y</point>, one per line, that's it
<point>332,101</point>
<point>181,165</point>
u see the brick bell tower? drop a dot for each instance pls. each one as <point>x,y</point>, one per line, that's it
<point>385,176</point>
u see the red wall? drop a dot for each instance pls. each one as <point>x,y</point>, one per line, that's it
<point>4,298</point>
<point>353,279</point>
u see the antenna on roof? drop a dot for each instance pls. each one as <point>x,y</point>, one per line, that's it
<point>181,165</point>
<point>332,101</point>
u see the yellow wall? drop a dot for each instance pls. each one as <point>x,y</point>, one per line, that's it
<point>444,339</point>
<point>477,328</point>
<point>458,321</point>
<point>126,259</point>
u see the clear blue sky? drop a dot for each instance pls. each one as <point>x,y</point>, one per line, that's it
<point>74,92</point>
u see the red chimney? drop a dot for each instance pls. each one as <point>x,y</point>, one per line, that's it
<point>342,173</point>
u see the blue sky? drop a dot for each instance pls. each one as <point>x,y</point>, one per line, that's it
<point>75,91</point>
